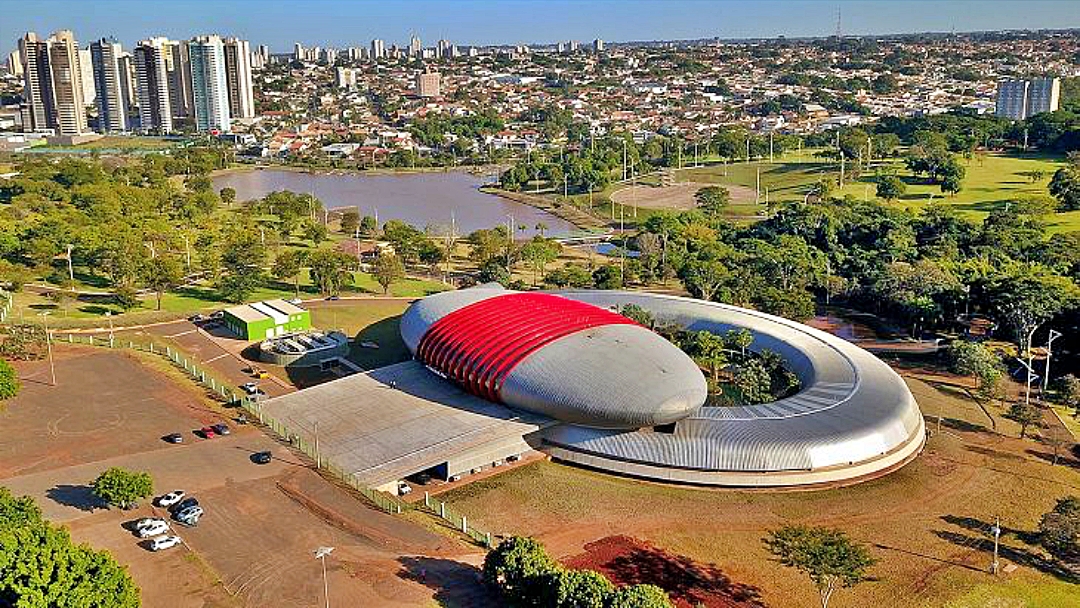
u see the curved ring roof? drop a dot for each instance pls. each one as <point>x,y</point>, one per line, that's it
<point>853,411</point>
<point>563,358</point>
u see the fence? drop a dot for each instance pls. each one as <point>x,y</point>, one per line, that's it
<point>5,306</point>
<point>228,393</point>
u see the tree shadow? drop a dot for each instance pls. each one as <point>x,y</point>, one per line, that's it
<point>454,583</point>
<point>982,540</point>
<point>1063,458</point>
<point>684,580</point>
<point>81,497</point>
<point>929,557</point>
<point>961,425</point>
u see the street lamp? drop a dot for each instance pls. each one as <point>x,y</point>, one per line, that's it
<point>48,344</point>
<point>320,554</point>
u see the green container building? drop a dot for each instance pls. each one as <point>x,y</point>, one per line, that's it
<point>262,320</point>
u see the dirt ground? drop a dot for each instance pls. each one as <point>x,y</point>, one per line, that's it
<point>678,196</point>
<point>254,546</point>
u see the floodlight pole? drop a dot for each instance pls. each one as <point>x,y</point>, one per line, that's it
<point>1054,335</point>
<point>996,530</point>
<point>321,554</point>
<point>48,345</point>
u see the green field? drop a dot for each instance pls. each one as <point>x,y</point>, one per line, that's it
<point>90,310</point>
<point>367,321</point>
<point>123,143</point>
<point>991,182</point>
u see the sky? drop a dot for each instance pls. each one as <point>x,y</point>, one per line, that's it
<point>481,22</point>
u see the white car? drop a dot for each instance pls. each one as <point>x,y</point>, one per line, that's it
<point>164,542</point>
<point>171,498</point>
<point>403,488</point>
<point>155,529</point>
<point>191,513</point>
<point>147,521</point>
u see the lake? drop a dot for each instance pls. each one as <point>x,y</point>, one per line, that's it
<point>420,199</point>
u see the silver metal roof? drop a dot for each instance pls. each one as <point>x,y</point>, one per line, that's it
<point>610,376</point>
<point>852,407</point>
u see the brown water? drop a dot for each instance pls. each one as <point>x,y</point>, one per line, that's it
<point>420,199</point>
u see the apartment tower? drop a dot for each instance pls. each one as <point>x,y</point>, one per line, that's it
<point>209,84</point>
<point>110,82</point>
<point>238,78</point>
<point>152,83</point>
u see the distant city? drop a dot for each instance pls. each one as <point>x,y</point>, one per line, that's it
<point>374,96</point>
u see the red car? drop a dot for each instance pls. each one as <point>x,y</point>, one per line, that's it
<point>206,432</point>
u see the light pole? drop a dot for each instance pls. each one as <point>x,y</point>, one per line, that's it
<point>71,270</point>
<point>320,554</point>
<point>1054,335</point>
<point>996,531</point>
<point>48,345</point>
<point>108,315</point>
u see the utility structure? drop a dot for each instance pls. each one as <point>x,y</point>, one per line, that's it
<point>996,531</point>
<point>1054,335</point>
<point>320,554</point>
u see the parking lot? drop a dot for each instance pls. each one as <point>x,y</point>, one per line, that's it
<point>254,544</point>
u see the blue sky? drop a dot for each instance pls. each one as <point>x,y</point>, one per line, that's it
<point>339,23</point>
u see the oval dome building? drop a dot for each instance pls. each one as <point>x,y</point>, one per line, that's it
<point>573,361</point>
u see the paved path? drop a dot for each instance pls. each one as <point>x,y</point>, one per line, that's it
<point>64,494</point>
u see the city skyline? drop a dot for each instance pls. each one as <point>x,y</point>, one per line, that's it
<point>484,22</point>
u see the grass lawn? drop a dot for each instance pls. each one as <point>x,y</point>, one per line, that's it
<point>123,142</point>
<point>367,321</point>
<point>927,523</point>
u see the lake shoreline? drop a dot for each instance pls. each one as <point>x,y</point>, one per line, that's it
<point>245,168</point>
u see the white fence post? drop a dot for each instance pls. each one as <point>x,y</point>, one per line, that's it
<point>464,525</point>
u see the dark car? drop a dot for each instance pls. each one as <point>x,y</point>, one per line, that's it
<point>221,428</point>
<point>174,438</point>
<point>262,457</point>
<point>190,501</point>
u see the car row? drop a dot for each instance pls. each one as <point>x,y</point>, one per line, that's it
<point>157,530</point>
<point>206,432</point>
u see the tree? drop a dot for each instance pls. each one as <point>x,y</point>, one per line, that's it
<point>576,589</point>
<point>122,488</point>
<point>316,232</point>
<point>828,556</point>
<point>754,382</point>
<point>891,188</point>
<point>388,270</point>
<point>540,252</point>
<point>1069,393</point>
<point>330,270</point>
<point>1065,187</point>
<point>712,199</point>
<point>709,350</point>
<point>126,298</point>
<point>40,565</point>
<point>242,265</point>
<point>1059,529</point>
<point>350,221</point>
<point>704,278</point>
<point>161,274</point>
<point>1025,297</point>
<point>639,596</point>
<point>738,339</point>
<point>9,381</point>
<point>516,566</point>
<point>1024,414</point>
<point>608,276</point>
<point>228,195</point>
<point>638,315</point>
<point>976,360</point>
<point>287,265</point>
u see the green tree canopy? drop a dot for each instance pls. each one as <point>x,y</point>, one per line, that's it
<point>828,557</point>
<point>9,381</point>
<point>123,488</point>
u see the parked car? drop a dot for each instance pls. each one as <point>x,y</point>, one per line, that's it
<point>333,298</point>
<point>197,318</point>
<point>295,301</point>
<point>217,314</point>
<point>262,457</point>
<point>174,438</point>
<point>454,478</point>
<point>171,498</point>
<point>221,428</point>
<point>190,501</point>
<point>192,512</point>
<point>206,432</point>
<point>403,488</point>
<point>147,521</point>
<point>249,387</point>
<point>513,458</point>
<point>155,529</point>
<point>164,542</point>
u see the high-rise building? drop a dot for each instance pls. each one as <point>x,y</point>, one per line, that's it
<point>345,78</point>
<point>1019,99</point>
<point>238,78</point>
<point>415,46</point>
<point>298,51</point>
<point>86,74</point>
<point>445,49</point>
<point>598,46</point>
<point>67,83</point>
<point>39,106</point>
<point>209,83</point>
<point>14,64</point>
<point>428,84</point>
<point>112,100</point>
<point>378,49</point>
<point>152,85</point>
<point>127,81</point>
<point>329,56</point>
<point>178,70</point>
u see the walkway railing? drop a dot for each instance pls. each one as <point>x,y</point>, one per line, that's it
<point>233,396</point>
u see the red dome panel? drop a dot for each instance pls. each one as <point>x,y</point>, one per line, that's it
<point>478,345</point>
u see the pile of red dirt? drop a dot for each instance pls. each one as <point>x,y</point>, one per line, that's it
<point>629,561</point>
